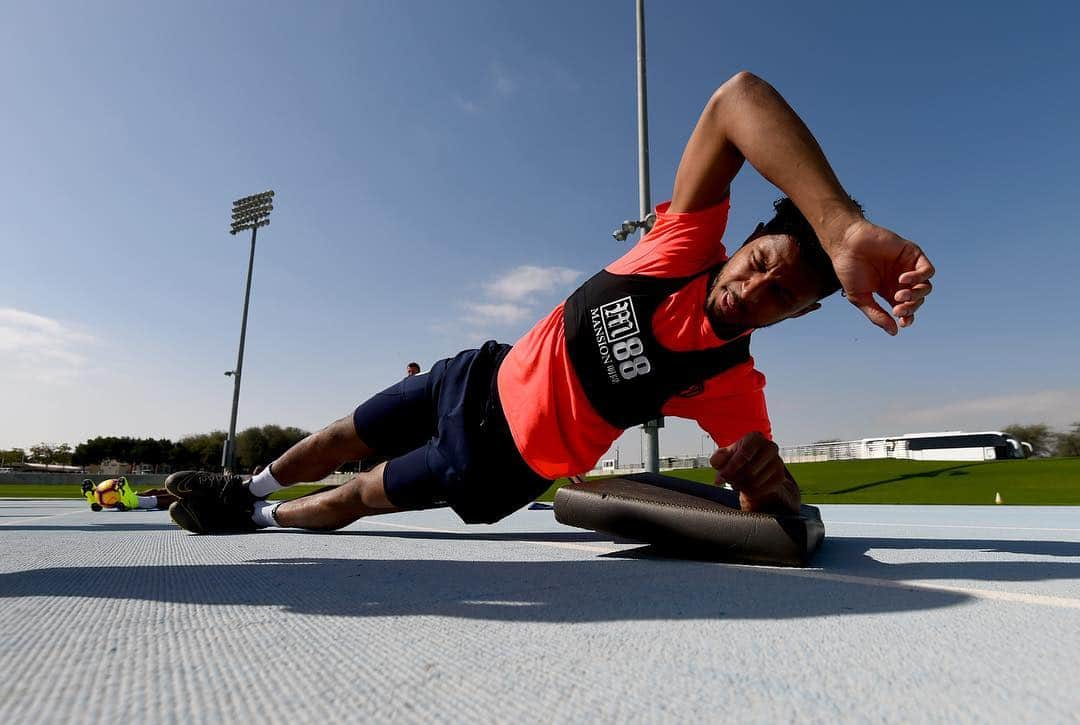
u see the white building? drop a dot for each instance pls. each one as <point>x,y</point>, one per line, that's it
<point>952,445</point>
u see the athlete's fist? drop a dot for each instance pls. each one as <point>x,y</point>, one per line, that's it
<point>753,467</point>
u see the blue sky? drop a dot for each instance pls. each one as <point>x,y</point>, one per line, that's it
<point>447,172</point>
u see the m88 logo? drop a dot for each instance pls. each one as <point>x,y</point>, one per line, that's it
<point>621,330</point>
<point>631,362</point>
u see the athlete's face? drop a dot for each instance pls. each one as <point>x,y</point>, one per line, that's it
<point>763,283</point>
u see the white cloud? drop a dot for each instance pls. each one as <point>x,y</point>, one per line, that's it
<point>504,83</point>
<point>502,313</point>
<point>528,280</point>
<point>38,348</point>
<point>466,105</point>
<point>1056,408</point>
<point>510,302</point>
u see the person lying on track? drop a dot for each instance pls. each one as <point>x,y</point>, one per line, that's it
<point>662,331</point>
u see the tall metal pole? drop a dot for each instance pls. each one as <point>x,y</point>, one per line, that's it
<point>230,449</point>
<point>651,454</point>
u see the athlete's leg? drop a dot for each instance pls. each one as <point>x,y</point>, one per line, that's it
<point>312,459</point>
<point>339,506</point>
<point>392,422</point>
<point>412,481</point>
<point>331,508</point>
<point>320,454</point>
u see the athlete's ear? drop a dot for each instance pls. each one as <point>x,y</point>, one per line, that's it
<point>805,311</point>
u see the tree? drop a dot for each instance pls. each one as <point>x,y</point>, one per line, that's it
<point>62,454</point>
<point>41,453</point>
<point>1068,443</point>
<point>11,455</point>
<point>252,448</point>
<point>201,451</point>
<point>135,451</point>
<point>149,451</point>
<point>1038,435</point>
<point>260,446</point>
<point>104,448</point>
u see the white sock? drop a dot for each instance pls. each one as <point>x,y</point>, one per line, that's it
<point>263,515</point>
<point>263,484</point>
<point>148,502</point>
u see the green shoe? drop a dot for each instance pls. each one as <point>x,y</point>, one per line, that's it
<point>129,500</point>
<point>88,493</point>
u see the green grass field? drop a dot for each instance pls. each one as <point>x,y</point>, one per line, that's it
<point>1043,481</point>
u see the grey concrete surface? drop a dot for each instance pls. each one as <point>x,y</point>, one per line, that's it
<point>925,614</point>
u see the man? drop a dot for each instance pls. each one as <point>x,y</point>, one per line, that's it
<point>663,330</point>
<point>412,369</point>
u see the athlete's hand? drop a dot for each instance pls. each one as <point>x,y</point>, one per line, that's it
<point>753,467</point>
<point>870,259</point>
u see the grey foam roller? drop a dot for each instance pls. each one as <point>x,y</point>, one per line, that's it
<point>693,519</point>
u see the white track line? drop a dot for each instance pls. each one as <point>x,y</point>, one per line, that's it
<point>40,518</point>
<point>952,526</point>
<point>1040,599</point>
<point>989,594</point>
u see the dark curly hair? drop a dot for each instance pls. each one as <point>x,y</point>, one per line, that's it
<point>789,220</point>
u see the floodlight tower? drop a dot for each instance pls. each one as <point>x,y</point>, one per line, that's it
<point>251,212</point>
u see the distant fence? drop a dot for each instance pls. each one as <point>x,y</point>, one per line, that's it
<point>669,463</point>
<point>139,480</point>
<point>153,480</point>
<point>820,452</point>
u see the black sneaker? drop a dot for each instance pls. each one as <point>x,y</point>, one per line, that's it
<point>217,487</point>
<point>204,516</point>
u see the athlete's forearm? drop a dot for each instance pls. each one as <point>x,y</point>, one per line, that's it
<point>771,136</point>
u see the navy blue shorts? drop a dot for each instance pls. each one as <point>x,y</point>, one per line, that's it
<point>448,442</point>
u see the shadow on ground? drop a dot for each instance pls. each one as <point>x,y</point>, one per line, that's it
<point>529,591</point>
<point>852,556</point>
<point>641,586</point>
<point>846,554</point>
<point>639,583</point>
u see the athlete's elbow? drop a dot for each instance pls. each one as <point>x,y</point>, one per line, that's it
<point>741,85</point>
<point>740,82</point>
<point>744,78</point>
<point>727,99</point>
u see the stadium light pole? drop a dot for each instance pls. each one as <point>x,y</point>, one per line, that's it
<point>251,212</point>
<point>652,427</point>
<point>651,446</point>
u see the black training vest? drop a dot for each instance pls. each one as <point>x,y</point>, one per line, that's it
<point>627,374</point>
